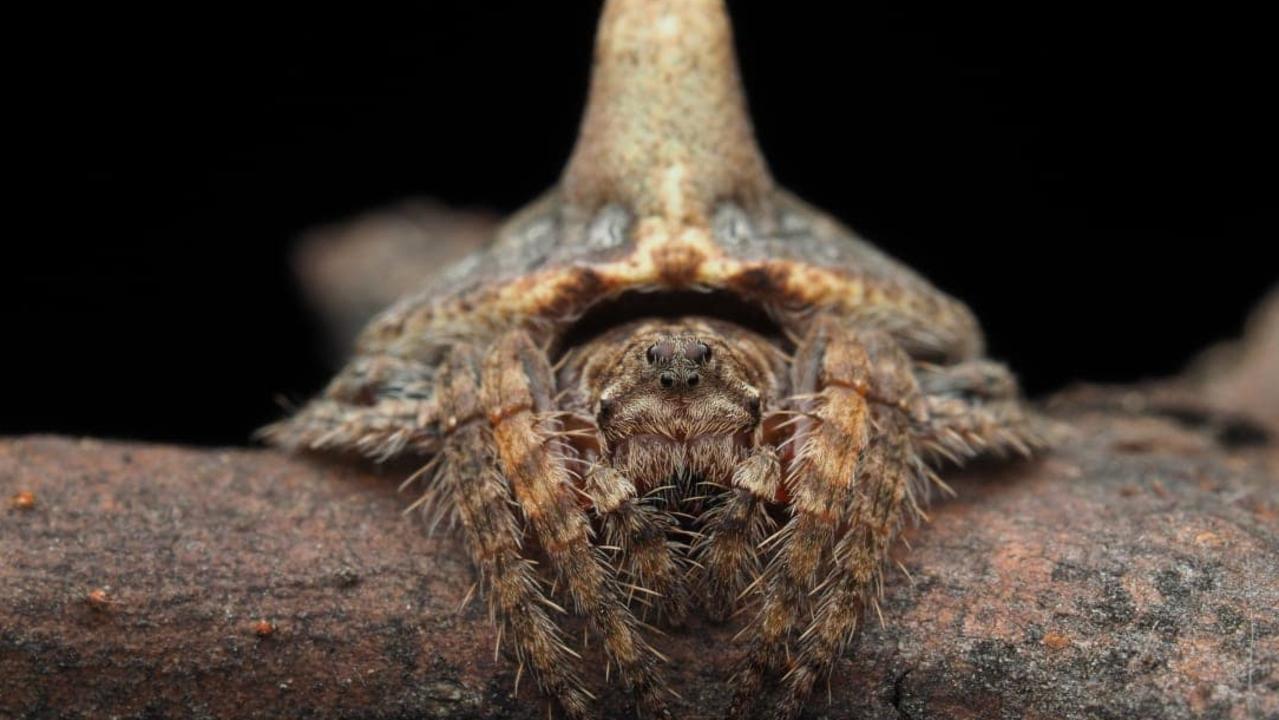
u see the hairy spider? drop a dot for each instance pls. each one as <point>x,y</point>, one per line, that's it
<point>681,386</point>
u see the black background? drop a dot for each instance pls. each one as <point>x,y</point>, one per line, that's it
<point>1091,181</point>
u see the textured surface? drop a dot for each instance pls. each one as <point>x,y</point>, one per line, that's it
<point>666,129</point>
<point>1133,573</point>
<point>666,210</point>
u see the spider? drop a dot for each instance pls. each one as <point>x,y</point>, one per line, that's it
<point>675,386</point>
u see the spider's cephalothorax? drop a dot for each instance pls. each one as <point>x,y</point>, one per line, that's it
<point>675,402</point>
<point>690,390</point>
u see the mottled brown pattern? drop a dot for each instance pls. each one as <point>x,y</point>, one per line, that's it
<point>653,463</point>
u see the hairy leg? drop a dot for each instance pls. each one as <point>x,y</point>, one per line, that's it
<point>832,370</point>
<point>640,533</point>
<point>517,396</point>
<point>975,407</point>
<point>732,530</point>
<point>470,478</point>
<point>977,378</point>
<point>888,473</point>
<point>378,406</point>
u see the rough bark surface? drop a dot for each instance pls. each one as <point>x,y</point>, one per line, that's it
<point>1132,573</point>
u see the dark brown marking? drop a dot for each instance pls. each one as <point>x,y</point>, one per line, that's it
<point>769,282</point>
<point>677,264</point>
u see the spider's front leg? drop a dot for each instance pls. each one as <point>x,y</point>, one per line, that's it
<point>831,373</point>
<point>476,488</point>
<point>959,411</point>
<point>887,475</point>
<point>517,396</point>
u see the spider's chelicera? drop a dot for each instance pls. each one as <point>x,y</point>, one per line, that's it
<point>677,386</point>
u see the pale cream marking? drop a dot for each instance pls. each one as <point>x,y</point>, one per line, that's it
<point>668,25</point>
<point>674,191</point>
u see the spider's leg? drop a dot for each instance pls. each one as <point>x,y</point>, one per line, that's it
<point>981,378</point>
<point>886,476</point>
<point>831,370</point>
<point>517,395</point>
<point>367,377</point>
<point>379,406</point>
<point>973,408</point>
<point>470,476</point>
<point>639,530</point>
<point>732,530</point>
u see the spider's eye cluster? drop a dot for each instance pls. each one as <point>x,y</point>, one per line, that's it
<point>664,352</point>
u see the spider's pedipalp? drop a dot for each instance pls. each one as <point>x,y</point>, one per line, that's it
<point>517,389</point>
<point>638,532</point>
<point>732,530</point>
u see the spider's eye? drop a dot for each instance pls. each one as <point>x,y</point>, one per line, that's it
<point>660,352</point>
<point>698,352</point>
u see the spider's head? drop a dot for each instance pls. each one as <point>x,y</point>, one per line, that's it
<point>677,393</point>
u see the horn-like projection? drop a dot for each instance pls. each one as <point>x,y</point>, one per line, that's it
<point>666,130</point>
